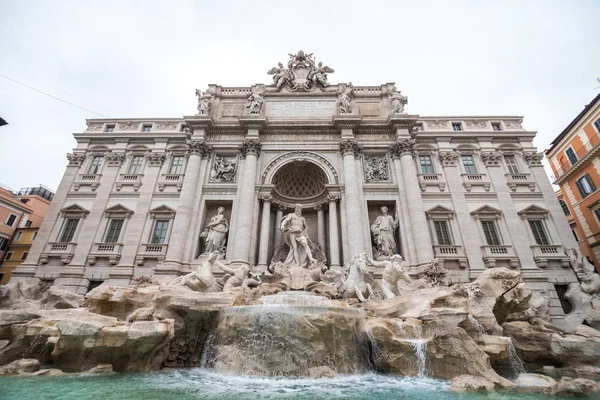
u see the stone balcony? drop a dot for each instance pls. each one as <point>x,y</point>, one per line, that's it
<point>61,250</point>
<point>91,180</point>
<point>542,253</point>
<point>133,180</point>
<point>515,180</point>
<point>112,251</point>
<point>157,251</point>
<point>170,180</point>
<point>493,253</point>
<point>470,180</point>
<point>451,252</point>
<point>431,180</point>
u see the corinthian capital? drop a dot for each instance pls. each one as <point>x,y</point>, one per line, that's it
<point>75,159</point>
<point>198,147</point>
<point>532,158</point>
<point>350,147</point>
<point>402,147</point>
<point>250,146</point>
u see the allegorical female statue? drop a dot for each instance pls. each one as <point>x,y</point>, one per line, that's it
<point>215,233</point>
<point>383,234</point>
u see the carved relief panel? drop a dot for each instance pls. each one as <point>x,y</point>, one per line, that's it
<point>224,168</point>
<point>376,169</point>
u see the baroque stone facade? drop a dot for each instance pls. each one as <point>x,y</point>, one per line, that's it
<point>137,195</point>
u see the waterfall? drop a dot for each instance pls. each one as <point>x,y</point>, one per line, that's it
<point>516,364</point>
<point>420,346</point>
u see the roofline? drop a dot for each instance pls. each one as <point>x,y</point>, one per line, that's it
<point>578,118</point>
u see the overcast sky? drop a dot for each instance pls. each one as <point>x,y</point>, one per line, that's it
<point>539,59</point>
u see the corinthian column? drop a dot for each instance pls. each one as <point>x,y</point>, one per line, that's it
<point>250,150</point>
<point>278,239</point>
<point>264,231</point>
<point>320,226</point>
<point>403,148</point>
<point>196,150</point>
<point>334,237</point>
<point>350,150</point>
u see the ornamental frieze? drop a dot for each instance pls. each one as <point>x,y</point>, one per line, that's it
<point>448,158</point>
<point>491,158</point>
<point>155,159</point>
<point>114,159</point>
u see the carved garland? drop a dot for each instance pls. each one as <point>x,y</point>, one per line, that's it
<point>449,158</point>
<point>155,159</point>
<point>114,159</point>
<point>492,158</point>
<point>300,155</point>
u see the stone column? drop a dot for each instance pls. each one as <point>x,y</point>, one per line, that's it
<point>278,239</point>
<point>350,150</point>
<point>264,230</point>
<point>320,226</point>
<point>404,225</point>
<point>334,237</point>
<point>250,150</point>
<point>422,240</point>
<point>196,150</point>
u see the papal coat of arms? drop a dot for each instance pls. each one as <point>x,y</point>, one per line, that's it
<point>301,74</point>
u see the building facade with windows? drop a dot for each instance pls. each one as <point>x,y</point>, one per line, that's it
<point>574,157</point>
<point>13,214</point>
<point>37,200</point>
<point>138,195</point>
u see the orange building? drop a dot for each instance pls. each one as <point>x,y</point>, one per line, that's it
<point>19,236</point>
<point>574,156</point>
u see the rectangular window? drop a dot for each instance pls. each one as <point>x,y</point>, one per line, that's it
<point>147,128</point>
<point>11,220</point>
<point>3,243</point>
<point>176,165</point>
<point>159,235</point>
<point>491,233</point>
<point>426,165</point>
<point>68,231</point>
<point>469,164</point>
<point>597,124</point>
<point>597,213</point>
<point>95,165</point>
<point>110,127</point>
<point>24,256</point>
<point>19,236</point>
<point>511,164</point>
<point>571,154</point>
<point>28,224</point>
<point>33,235</point>
<point>8,256</point>
<point>114,230</point>
<point>496,126</point>
<point>575,235</point>
<point>564,207</point>
<point>456,127</point>
<point>136,165</point>
<point>585,185</point>
<point>539,232</point>
<point>442,232</point>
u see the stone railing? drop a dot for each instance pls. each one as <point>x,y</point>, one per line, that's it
<point>492,253</point>
<point>92,180</point>
<point>470,180</point>
<point>156,251</point>
<point>110,250</point>
<point>545,250</point>
<point>445,251</point>
<point>431,180</point>
<point>515,180</point>
<point>134,180</point>
<point>170,180</point>
<point>62,250</point>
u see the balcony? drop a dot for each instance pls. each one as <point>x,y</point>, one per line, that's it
<point>157,251</point>
<point>170,180</point>
<point>470,180</point>
<point>112,251</point>
<point>62,250</point>
<point>133,180</point>
<point>515,180</point>
<point>493,253</point>
<point>451,252</point>
<point>565,165</point>
<point>542,253</point>
<point>431,180</point>
<point>91,180</point>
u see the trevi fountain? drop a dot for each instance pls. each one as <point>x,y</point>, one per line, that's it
<point>245,290</point>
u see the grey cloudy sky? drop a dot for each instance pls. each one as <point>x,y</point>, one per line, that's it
<point>539,59</point>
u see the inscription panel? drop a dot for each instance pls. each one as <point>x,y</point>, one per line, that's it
<point>300,108</point>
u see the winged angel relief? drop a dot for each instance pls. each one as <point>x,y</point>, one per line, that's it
<point>301,73</point>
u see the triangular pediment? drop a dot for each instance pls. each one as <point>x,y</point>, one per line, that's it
<point>118,208</point>
<point>533,209</point>
<point>486,210</point>
<point>162,209</point>
<point>439,209</point>
<point>74,208</point>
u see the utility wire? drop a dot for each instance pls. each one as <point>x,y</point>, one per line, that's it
<point>54,97</point>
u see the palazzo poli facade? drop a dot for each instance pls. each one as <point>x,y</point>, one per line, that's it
<point>141,197</point>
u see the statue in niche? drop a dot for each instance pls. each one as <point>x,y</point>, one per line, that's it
<point>255,101</point>
<point>298,250</point>
<point>280,74</point>
<point>376,169</point>
<point>393,271</point>
<point>204,102</point>
<point>215,233</point>
<point>383,234</point>
<point>344,101</point>
<point>224,169</point>
<point>398,102</point>
<point>201,280</point>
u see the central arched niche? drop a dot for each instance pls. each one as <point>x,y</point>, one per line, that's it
<point>299,181</point>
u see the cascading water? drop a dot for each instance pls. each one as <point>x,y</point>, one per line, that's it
<point>289,334</point>
<point>516,364</point>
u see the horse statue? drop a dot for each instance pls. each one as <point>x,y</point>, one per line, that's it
<point>358,280</point>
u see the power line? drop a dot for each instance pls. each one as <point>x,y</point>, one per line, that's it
<point>54,97</point>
